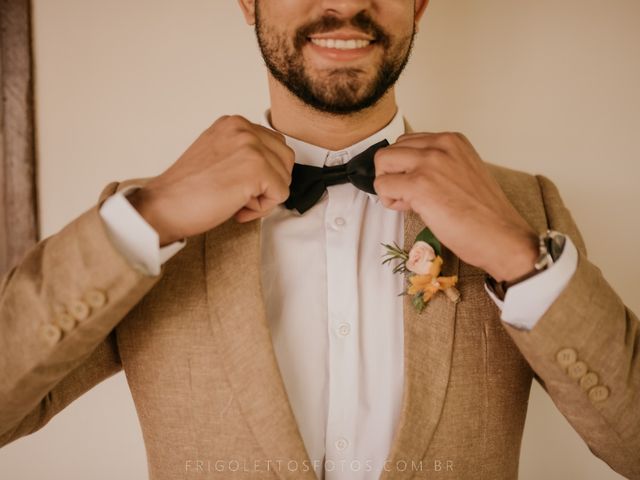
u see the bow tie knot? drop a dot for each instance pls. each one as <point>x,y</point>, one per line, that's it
<point>308,183</point>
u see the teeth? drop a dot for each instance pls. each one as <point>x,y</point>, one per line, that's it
<point>340,44</point>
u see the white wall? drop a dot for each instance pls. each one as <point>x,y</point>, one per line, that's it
<point>124,87</point>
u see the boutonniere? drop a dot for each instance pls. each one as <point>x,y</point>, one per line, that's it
<point>422,265</point>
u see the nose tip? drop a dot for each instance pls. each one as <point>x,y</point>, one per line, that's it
<point>345,8</point>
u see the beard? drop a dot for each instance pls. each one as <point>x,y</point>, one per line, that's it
<point>340,91</point>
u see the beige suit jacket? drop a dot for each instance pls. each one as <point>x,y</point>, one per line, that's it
<point>197,354</point>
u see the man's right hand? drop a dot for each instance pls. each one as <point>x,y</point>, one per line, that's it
<point>234,168</point>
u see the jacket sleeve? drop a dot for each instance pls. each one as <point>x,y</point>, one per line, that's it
<point>585,350</point>
<point>58,310</point>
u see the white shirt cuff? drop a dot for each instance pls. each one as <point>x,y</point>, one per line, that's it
<point>133,236</point>
<point>526,302</point>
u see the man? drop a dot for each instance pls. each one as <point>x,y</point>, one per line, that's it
<point>273,344</point>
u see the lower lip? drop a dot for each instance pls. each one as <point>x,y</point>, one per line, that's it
<point>341,55</point>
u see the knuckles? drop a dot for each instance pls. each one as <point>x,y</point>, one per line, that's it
<point>421,181</point>
<point>236,122</point>
<point>449,138</point>
<point>431,157</point>
<point>245,138</point>
<point>250,151</point>
<point>376,183</point>
<point>230,125</point>
<point>230,122</point>
<point>289,156</point>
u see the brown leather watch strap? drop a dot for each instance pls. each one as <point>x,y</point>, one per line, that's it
<point>500,288</point>
<point>551,246</point>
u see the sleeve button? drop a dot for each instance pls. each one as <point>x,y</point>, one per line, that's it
<point>577,370</point>
<point>599,393</point>
<point>95,298</point>
<point>66,322</point>
<point>566,357</point>
<point>79,310</point>
<point>50,334</point>
<point>589,380</point>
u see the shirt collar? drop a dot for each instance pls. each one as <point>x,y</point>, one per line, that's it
<point>309,154</point>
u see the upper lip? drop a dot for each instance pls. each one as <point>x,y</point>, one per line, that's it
<point>343,35</point>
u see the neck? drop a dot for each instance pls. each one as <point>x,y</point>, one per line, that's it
<point>292,117</point>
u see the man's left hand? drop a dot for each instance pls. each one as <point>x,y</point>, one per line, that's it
<point>442,178</point>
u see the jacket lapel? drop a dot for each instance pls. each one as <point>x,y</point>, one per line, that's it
<point>428,344</point>
<point>237,314</point>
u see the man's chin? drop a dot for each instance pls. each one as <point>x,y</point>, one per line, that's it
<point>339,104</point>
<point>342,84</point>
<point>340,98</point>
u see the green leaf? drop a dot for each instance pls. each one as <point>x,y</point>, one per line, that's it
<point>394,250</point>
<point>427,235</point>
<point>400,268</point>
<point>418,302</point>
<point>395,253</point>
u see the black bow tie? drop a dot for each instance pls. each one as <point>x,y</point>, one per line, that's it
<point>309,183</point>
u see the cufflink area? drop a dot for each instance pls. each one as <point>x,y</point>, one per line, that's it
<point>67,317</point>
<point>578,370</point>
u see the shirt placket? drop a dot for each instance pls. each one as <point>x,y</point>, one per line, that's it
<point>341,257</point>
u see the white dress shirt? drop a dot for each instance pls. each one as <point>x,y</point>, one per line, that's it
<point>333,309</point>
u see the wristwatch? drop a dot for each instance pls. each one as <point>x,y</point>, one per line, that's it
<point>551,244</point>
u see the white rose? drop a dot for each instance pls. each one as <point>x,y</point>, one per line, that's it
<point>420,257</point>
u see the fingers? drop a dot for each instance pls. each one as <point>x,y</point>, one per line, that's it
<point>268,166</point>
<point>399,205</point>
<point>277,165</point>
<point>275,142</point>
<point>273,190</point>
<point>257,207</point>
<point>395,159</point>
<point>247,215</point>
<point>395,190</point>
<point>278,155</point>
<point>263,203</point>
<point>411,151</point>
<point>250,136</point>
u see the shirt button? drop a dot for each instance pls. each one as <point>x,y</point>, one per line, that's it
<point>338,158</point>
<point>339,221</point>
<point>342,443</point>
<point>344,329</point>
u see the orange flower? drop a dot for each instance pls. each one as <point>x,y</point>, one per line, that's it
<point>447,282</point>
<point>430,283</point>
<point>419,283</point>
<point>436,266</point>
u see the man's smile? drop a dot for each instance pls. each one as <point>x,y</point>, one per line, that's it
<point>342,45</point>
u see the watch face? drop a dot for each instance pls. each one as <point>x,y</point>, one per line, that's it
<point>555,244</point>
